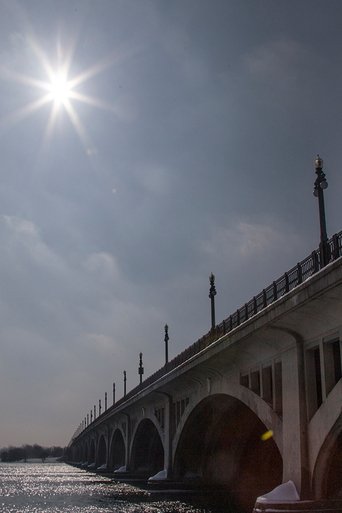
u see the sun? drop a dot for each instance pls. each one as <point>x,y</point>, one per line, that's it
<point>59,88</point>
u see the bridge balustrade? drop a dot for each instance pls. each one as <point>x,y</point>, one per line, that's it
<point>288,281</point>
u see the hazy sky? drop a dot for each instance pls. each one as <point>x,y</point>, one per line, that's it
<point>185,146</point>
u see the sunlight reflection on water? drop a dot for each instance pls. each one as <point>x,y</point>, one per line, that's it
<point>59,488</point>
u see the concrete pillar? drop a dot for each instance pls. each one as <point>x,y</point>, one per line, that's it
<point>128,440</point>
<point>108,448</point>
<point>295,449</point>
<point>168,434</point>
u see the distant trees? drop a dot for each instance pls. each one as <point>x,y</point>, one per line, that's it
<point>26,452</point>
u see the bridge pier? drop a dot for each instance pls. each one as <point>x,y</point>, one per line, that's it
<point>127,430</point>
<point>168,427</point>
<point>295,442</point>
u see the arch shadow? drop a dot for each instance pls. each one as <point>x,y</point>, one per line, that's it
<point>101,451</point>
<point>92,451</point>
<point>327,474</point>
<point>147,455</point>
<point>117,456</point>
<point>221,446</point>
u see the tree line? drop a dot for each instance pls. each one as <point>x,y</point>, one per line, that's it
<point>25,452</point>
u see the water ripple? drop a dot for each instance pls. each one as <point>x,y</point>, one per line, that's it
<point>59,488</point>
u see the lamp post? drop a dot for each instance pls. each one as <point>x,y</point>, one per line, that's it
<point>319,186</point>
<point>166,340</point>
<point>125,382</point>
<point>212,294</point>
<point>140,369</point>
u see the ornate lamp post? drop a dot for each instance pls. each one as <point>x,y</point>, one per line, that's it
<point>141,368</point>
<point>212,294</point>
<point>166,340</point>
<point>125,382</point>
<point>319,186</point>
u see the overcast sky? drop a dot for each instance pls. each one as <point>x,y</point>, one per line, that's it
<point>185,146</point>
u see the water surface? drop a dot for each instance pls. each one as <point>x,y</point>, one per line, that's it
<point>59,488</point>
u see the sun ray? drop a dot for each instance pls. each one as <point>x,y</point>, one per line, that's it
<point>23,79</point>
<point>92,100</point>
<point>51,122</point>
<point>94,70</point>
<point>75,120</point>
<point>24,112</point>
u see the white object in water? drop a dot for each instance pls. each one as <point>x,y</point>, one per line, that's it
<point>159,477</point>
<point>284,492</point>
<point>102,467</point>
<point>121,469</point>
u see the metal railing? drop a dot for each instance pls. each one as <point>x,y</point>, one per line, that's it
<point>278,288</point>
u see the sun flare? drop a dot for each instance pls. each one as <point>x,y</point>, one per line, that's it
<point>59,89</point>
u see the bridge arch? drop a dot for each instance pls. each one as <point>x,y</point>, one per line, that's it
<point>101,458</point>
<point>117,453</point>
<point>76,453</point>
<point>327,475</point>
<point>92,451</point>
<point>82,451</point>
<point>251,400</point>
<point>86,451</point>
<point>221,444</point>
<point>147,453</point>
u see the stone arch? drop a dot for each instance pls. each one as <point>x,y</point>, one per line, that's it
<point>101,451</point>
<point>147,454</point>
<point>117,456</point>
<point>221,446</point>
<point>92,451</point>
<point>76,454</point>
<point>86,451</point>
<point>255,403</point>
<point>82,451</point>
<point>327,475</point>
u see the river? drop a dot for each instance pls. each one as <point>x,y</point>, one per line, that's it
<point>60,488</point>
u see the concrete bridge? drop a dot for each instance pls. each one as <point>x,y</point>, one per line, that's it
<point>255,402</point>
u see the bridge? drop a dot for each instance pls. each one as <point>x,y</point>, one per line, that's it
<point>252,404</point>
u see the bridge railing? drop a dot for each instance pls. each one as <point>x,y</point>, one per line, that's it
<point>288,281</point>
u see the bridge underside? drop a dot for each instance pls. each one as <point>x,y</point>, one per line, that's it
<point>222,445</point>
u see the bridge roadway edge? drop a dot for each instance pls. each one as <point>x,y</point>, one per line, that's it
<point>247,327</point>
